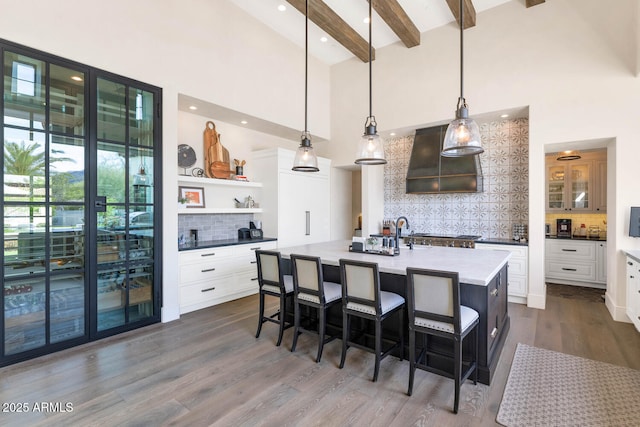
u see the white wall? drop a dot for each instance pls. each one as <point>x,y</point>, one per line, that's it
<point>210,50</point>
<point>568,60</point>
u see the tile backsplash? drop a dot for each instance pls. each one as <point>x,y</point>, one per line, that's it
<point>213,226</point>
<point>492,213</point>
<point>598,219</point>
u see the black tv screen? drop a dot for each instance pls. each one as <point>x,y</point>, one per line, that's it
<point>634,222</point>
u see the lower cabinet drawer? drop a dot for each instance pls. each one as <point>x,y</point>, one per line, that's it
<point>570,271</point>
<point>203,294</point>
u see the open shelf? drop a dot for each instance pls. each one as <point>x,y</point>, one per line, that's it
<point>215,181</point>
<point>195,211</point>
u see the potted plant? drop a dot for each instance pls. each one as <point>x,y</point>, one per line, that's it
<point>182,202</point>
<point>372,243</point>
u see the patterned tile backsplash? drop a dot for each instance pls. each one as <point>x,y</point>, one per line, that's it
<point>213,226</point>
<point>492,213</point>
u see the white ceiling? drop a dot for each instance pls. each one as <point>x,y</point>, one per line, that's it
<point>425,14</point>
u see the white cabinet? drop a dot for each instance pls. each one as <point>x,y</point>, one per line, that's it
<point>633,291</point>
<point>518,273</point>
<point>295,205</point>
<point>600,195</point>
<point>216,275</point>
<point>572,262</point>
<point>577,185</point>
<point>220,195</point>
<point>601,262</point>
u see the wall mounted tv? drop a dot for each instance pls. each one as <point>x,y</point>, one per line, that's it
<point>634,222</point>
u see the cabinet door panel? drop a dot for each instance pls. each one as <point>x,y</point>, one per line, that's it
<point>304,209</point>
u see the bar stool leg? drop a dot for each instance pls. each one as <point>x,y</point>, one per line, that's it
<point>346,326</point>
<point>261,317</point>
<point>281,316</point>
<point>378,349</point>
<point>412,359</point>
<point>321,332</point>
<point>296,325</point>
<point>457,374</point>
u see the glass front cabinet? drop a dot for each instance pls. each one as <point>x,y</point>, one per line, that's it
<point>82,151</point>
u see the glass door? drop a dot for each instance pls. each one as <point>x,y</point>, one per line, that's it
<point>43,202</point>
<point>124,205</point>
<point>82,150</point>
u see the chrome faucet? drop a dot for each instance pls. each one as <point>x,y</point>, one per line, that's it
<point>399,230</point>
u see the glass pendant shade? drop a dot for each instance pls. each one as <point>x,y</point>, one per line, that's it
<point>305,160</point>
<point>462,137</point>
<point>370,148</point>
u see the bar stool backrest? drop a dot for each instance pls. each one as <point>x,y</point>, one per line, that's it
<point>307,272</point>
<point>361,283</point>
<point>434,295</point>
<point>269,272</point>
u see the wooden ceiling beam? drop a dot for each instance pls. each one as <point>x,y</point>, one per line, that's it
<point>329,21</point>
<point>531,3</point>
<point>398,20</point>
<point>469,12</point>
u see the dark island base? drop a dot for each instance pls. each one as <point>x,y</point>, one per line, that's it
<point>489,301</point>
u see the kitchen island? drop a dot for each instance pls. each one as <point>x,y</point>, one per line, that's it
<point>483,283</point>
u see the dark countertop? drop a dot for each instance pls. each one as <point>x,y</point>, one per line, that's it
<point>225,242</point>
<point>503,242</point>
<point>592,239</point>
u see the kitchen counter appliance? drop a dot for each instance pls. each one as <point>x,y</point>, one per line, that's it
<point>563,228</point>
<point>430,239</point>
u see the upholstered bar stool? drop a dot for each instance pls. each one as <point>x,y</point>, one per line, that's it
<point>362,297</point>
<point>273,282</point>
<point>434,308</point>
<point>310,290</point>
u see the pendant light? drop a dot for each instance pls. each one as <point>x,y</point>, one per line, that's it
<point>305,160</point>
<point>463,135</point>
<point>569,155</point>
<point>370,148</point>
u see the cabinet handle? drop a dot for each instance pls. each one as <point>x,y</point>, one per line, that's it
<point>308,223</point>
<point>208,269</point>
<point>255,249</point>
<point>494,332</point>
<point>629,263</point>
<point>494,292</point>
<point>254,278</point>
<point>569,269</point>
<point>570,250</point>
<point>211,254</point>
<point>253,262</point>
<point>208,289</point>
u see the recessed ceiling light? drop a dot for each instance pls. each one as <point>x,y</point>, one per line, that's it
<point>192,107</point>
<point>392,134</point>
<point>282,8</point>
<point>244,122</point>
<point>504,116</point>
<point>366,20</point>
<point>323,39</point>
<point>76,78</point>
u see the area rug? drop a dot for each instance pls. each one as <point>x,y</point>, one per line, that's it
<point>547,388</point>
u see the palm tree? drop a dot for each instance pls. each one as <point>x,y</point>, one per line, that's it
<point>23,159</point>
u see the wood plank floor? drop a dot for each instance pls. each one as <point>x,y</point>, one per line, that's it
<point>208,369</point>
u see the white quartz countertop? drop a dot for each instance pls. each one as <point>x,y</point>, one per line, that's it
<point>633,253</point>
<point>474,266</point>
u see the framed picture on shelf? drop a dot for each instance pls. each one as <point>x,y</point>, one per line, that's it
<point>194,196</point>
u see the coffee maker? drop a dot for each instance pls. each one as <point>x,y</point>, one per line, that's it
<point>255,229</point>
<point>563,228</point>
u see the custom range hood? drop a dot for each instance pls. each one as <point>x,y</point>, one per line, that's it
<point>429,172</point>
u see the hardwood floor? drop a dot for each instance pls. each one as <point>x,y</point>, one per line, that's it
<point>208,368</point>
